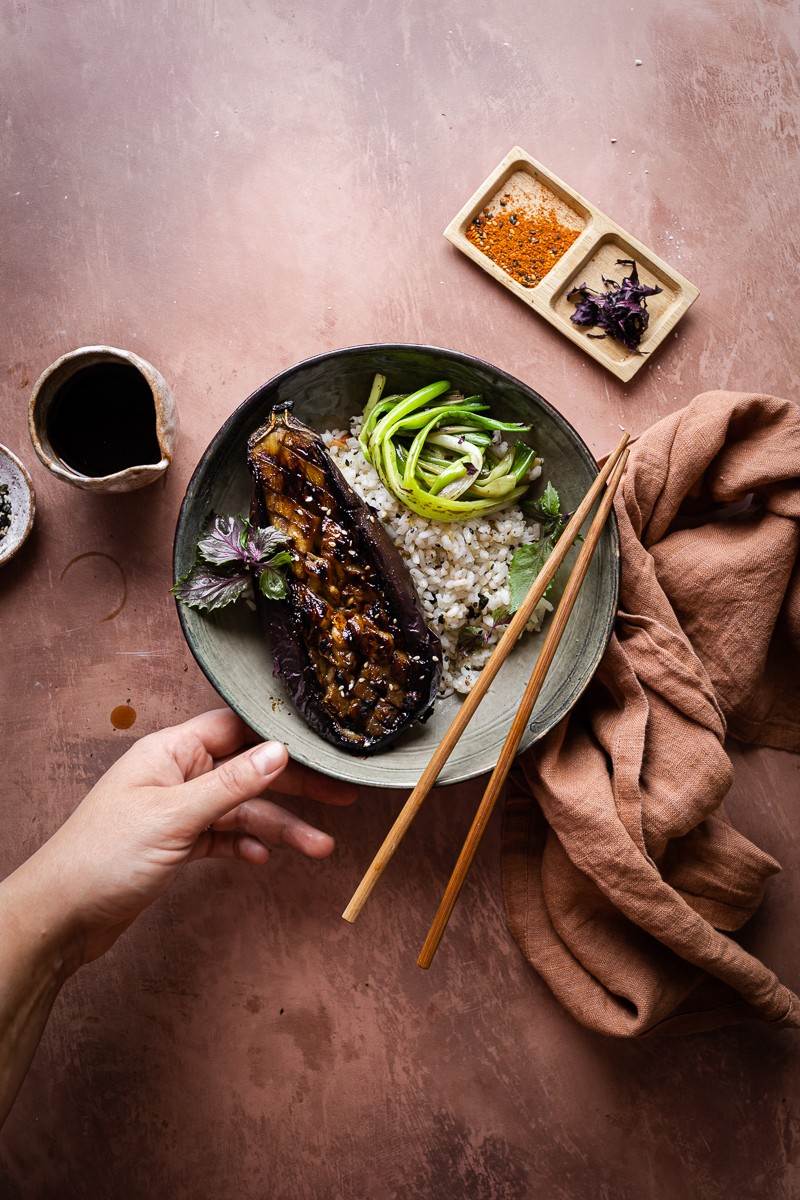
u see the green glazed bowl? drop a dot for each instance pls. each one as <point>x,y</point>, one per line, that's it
<point>231,649</point>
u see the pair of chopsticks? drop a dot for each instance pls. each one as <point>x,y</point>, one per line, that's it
<point>611,473</point>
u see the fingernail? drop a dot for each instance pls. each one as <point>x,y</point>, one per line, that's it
<point>269,757</point>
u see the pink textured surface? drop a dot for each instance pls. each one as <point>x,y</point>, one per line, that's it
<point>225,188</point>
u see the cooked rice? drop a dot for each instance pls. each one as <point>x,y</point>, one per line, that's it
<point>459,570</point>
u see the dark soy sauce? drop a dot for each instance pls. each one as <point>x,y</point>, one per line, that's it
<point>103,419</point>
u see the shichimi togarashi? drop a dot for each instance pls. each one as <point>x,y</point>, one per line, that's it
<point>526,243</point>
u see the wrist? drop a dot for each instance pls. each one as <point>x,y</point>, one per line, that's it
<point>30,901</point>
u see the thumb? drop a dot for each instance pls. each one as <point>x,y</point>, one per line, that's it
<point>210,796</point>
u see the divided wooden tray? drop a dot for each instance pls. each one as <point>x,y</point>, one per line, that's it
<point>594,253</point>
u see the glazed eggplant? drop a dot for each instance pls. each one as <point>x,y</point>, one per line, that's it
<point>350,640</point>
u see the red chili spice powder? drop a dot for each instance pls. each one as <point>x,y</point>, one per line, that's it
<point>524,243</point>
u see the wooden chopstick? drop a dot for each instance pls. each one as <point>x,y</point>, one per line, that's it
<point>482,684</point>
<point>601,462</point>
<point>529,697</point>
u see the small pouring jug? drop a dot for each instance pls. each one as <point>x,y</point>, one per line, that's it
<point>94,411</point>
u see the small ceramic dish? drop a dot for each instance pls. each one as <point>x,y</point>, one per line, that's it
<point>164,408</point>
<point>230,646</point>
<point>21,498</point>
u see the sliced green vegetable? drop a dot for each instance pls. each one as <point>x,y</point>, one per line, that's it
<point>404,407</point>
<point>376,391</point>
<point>496,488</point>
<point>502,468</point>
<point>438,458</point>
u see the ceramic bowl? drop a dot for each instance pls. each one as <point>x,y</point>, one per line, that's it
<point>166,414</point>
<point>21,497</point>
<point>230,647</point>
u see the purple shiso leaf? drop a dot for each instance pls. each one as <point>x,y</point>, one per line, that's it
<point>263,543</point>
<point>587,311</point>
<point>232,539</point>
<point>223,541</point>
<point>229,548</point>
<point>207,589</point>
<point>470,469</point>
<point>620,311</point>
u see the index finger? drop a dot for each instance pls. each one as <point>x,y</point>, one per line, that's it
<point>221,731</point>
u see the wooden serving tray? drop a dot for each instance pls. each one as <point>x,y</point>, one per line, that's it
<point>594,253</point>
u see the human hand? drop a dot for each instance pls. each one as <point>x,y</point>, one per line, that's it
<point>175,796</point>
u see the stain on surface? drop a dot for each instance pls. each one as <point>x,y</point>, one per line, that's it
<point>119,603</point>
<point>123,716</point>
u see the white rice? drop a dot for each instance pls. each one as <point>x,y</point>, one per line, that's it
<point>460,570</point>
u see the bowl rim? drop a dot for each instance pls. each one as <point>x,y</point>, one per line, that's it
<point>612,526</point>
<point>10,547</point>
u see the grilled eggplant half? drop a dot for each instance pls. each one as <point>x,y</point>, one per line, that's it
<point>349,641</point>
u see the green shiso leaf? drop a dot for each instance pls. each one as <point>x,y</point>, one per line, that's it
<point>526,563</point>
<point>272,584</point>
<point>528,559</point>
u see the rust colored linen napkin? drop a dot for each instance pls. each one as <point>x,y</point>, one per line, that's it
<point>623,878</point>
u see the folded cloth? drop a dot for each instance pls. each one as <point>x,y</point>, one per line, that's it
<point>622,875</point>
